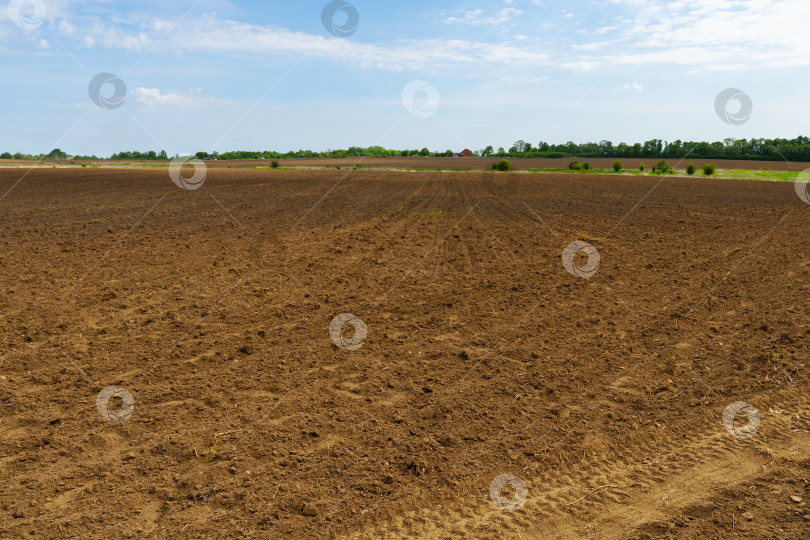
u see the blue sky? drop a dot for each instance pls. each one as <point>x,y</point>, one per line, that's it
<point>254,75</point>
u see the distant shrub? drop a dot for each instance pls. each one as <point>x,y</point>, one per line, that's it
<point>709,169</point>
<point>503,165</point>
<point>617,166</point>
<point>586,166</point>
<point>575,166</point>
<point>690,169</point>
<point>662,167</point>
<point>275,164</point>
<point>641,167</point>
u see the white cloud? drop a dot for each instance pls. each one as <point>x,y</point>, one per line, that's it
<point>65,28</point>
<point>153,97</point>
<point>700,34</point>
<point>209,34</point>
<point>634,87</point>
<point>725,34</point>
<point>476,17</point>
<point>581,65</point>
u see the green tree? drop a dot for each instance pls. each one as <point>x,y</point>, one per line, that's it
<point>575,166</point>
<point>617,166</point>
<point>690,169</point>
<point>709,169</point>
<point>503,165</point>
<point>641,167</point>
<point>586,166</point>
<point>652,148</point>
<point>424,152</point>
<point>6,155</point>
<point>488,151</point>
<point>662,167</point>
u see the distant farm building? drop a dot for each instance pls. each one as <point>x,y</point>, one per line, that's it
<point>466,153</point>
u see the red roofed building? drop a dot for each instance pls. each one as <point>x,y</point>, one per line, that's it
<point>466,153</point>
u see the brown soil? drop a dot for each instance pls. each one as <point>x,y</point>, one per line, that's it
<point>484,356</point>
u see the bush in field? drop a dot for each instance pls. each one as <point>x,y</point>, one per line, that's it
<point>575,166</point>
<point>617,166</point>
<point>641,167</point>
<point>503,166</point>
<point>275,164</point>
<point>690,169</point>
<point>662,167</point>
<point>586,166</point>
<point>709,169</point>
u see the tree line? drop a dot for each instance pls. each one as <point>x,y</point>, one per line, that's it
<point>797,149</point>
<point>351,152</point>
<point>54,154</point>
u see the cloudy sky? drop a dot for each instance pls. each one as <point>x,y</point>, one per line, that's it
<point>225,75</point>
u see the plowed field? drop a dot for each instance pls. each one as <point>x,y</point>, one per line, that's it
<point>234,412</point>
